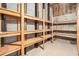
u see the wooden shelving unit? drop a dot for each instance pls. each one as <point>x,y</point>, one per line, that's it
<point>58,31</point>
<point>78,28</point>
<point>62,20</point>
<point>8,34</point>
<point>22,42</point>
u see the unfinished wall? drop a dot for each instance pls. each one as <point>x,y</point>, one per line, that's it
<point>69,15</point>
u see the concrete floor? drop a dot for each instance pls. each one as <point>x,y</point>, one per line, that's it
<point>59,47</point>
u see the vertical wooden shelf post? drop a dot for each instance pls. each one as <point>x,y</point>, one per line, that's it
<point>43,33</point>
<point>52,30</point>
<point>22,29</point>
<point>0,26</point>
<point>18,24</point>
<point>78,27</point>
<point>52,25</point>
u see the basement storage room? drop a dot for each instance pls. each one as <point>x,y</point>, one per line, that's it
<point>39,29</point>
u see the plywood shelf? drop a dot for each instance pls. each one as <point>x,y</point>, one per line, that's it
<point>37,19</point>
<point>48,21</point>
<point>9,12</point>
<point>8,34</point>
<point>33,18</point>
<point>48,29</point>
<point>65,22</point>
<point>28,42</point>
<point>7,49</point>
<point>65,35</point>
<point>65,30</point>
<point>32,41</point>
<point>47,36</point>
<point>32,31</point>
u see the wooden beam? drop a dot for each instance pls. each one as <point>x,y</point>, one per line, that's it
<point>9,12</point>
<point>52,26</point>
<point>0,25</point>
<point>43,33</point>
<point>11,48</point>
<point>22,29</point>
<point>18,25</point>
<point>78,27</point>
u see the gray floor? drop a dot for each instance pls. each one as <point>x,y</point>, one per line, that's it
<point>59,47</point>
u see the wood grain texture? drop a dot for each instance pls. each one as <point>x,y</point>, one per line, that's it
<point>78,28</point>
<point>10,49</point>
<point>19,15</point>
<point>22,29</point>
<point>0,26</point>
<point>18,24</point>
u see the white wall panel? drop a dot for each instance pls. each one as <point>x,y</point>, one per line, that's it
<point>51,15</point>
<point>40,10</point>
<point>46,7</point>
<point>30,25</point>
<point>44,14</point>
<point>12,6</point>
<point>31,9</point>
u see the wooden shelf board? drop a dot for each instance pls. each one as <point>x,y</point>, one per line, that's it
<point>48,21</point>
<point>35,31</point>
<point>47,36</point>
<point>65,30</point>
<point>37,19</point>
<point>32,31</point>
<point>8,34</point>
<point>65,22</point>
<point>48,29</point>
<point>9,12</point>
<point>7,49</point>
<point>64,35</point>
<point>33,18</point>
<point>28,42</point>
<point>33,41</point>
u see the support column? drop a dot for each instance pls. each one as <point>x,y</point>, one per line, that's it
<point>22,29</point>
<point>43,32</point>
<point>78,28</point>
<point>0,26</point>
<point>18,25</point>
